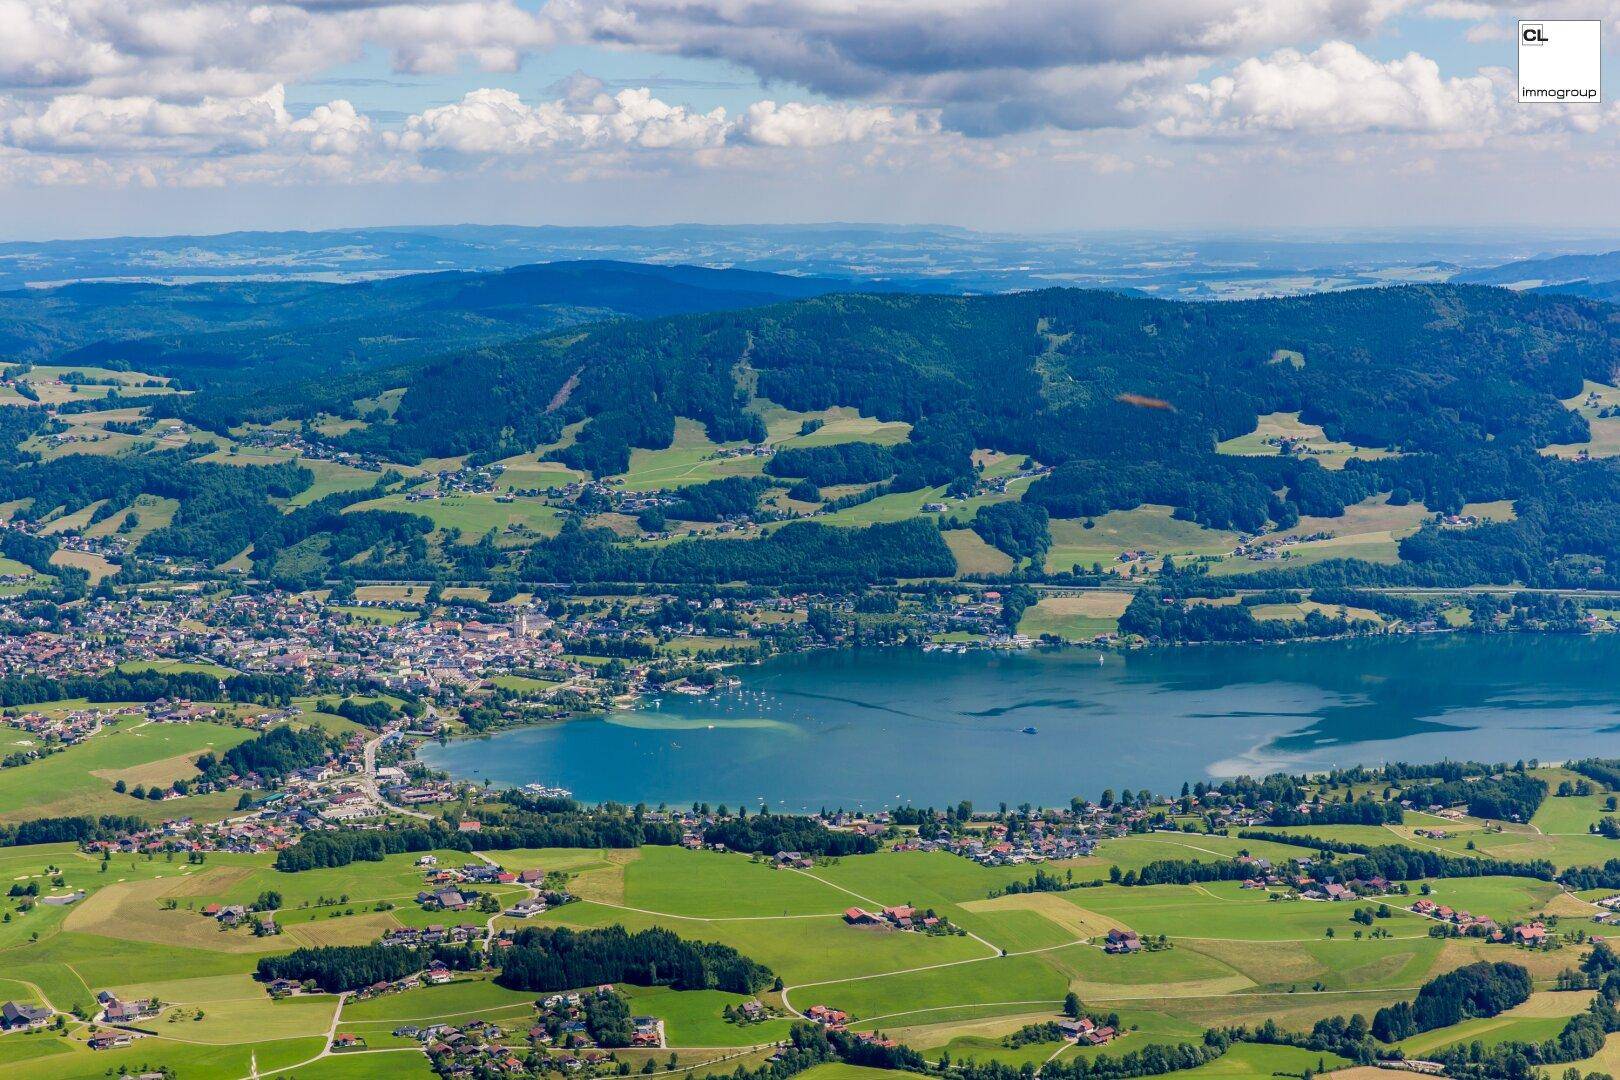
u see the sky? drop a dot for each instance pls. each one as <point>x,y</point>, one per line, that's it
<point>174,116</point>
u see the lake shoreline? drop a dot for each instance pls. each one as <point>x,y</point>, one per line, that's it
<point>883,726</point>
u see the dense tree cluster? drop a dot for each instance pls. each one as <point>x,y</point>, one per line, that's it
<point>114,686</point>
<point>76,830</point>
<point>717,500</point>
<point>839,463</point>
<point>336,968</point>
<point>1016,528</point>
<point>272,756</point>
<point>1362,811</point>
<point>769,833</point>
<point>1605,771</point>
<point>558,958</point>
<point>1477,990</point>
<point>371,714</point>
<point>1581,1038</point>
<point>1157,617</point>
<point>572,827</point>
<point>797,553</point>
<point>1508,796</point>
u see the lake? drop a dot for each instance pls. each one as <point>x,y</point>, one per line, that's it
<point>881,727</point>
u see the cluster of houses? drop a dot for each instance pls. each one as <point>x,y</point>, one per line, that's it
<point>231,916</point>
<point>902,917</point>
<point>1467,923</point>
<point>480,1048</point>
<point>474,480</point>
<point>561,1022</point>
<point>838,1020</point>
<point>1039,846</point>
<point>240,836</point>
<point>65,728</point>
<point>1533,934</point>
<point>435,974</point>
<point>1267,549</point>
<point>416,937</point>
<point>1297,875</point>
<point>446,893</point>
<point>114,1039</point>
<point>454,1047</point>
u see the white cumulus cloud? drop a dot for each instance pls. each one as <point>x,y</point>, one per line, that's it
<point>1337,89</point>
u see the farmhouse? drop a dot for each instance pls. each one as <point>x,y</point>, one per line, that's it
<point>124,1012</point>
<point>525,909</point>
<point>1531,934</point>
<point>1087,1031</point>
<point>444,900</point>
<point>15,1017</point>
<point>110,1040</point>
<point>826,1016</point>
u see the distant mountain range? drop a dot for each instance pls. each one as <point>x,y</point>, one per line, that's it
<point>1548,272</point>
<point>236,338</point>
<point>914,258</point>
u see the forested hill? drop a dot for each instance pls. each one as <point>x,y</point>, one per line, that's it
<point>1126,397</point>
<point>1455,392</point>
<point>1552,270</point>
<point>233,340</point>
<point>1063,375</point>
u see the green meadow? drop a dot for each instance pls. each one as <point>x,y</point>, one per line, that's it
<point>80,779</point>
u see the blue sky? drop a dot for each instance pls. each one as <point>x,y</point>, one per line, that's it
<point>127,116</point>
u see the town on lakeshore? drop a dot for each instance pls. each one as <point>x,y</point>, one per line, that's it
<point>1134,656</point>
<point>226,853</point>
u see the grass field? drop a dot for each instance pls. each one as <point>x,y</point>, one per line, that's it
<point>1228,955</point>
<point>974,556</point>
<point>150,511</point>
<point>95,565</point>
<point>1370,530</point>
<point>1605,442</point>
<point>690,459</point>
<point>474,515</point>
<point>1080,617</point>
<point>1308,440</point>
<point>840,424</point>
<point>1147,528</point>
<point>80,779</point>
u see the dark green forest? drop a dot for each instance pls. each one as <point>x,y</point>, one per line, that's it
<point>1124,398</point>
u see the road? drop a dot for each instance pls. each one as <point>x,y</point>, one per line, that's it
<point>368,776</point>
<point>489,924</point>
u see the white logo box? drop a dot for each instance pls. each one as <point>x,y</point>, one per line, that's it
<point>1560,61</point>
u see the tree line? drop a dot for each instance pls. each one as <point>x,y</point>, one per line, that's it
<point>558,958</point>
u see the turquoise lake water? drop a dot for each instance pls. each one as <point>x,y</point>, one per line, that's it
<point>876,728</point>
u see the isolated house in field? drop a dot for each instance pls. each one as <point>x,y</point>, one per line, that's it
<point>524,909</point>
<point>124,1012</point>
<point>110,1040</point>
<point>826,1016</point>
<point>1123,941</point>
<point>1533,934</point>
